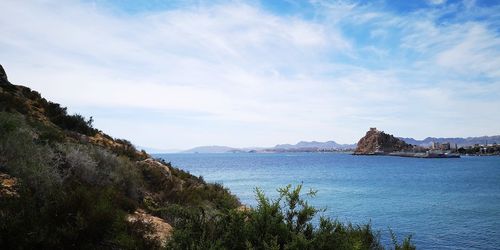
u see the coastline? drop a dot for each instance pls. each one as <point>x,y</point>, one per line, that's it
<point>414,155</point>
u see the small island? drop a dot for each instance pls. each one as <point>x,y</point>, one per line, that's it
<point>376,142</point>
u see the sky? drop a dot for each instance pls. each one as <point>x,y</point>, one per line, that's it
<point>179,74</point>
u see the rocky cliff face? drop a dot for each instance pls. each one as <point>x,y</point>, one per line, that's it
<point>378,142</point>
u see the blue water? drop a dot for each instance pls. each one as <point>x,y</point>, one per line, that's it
<point>443,203</point>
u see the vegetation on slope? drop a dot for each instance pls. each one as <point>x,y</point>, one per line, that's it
<point>78,195</point>
<point>72,186</point>
<point>75,186</point>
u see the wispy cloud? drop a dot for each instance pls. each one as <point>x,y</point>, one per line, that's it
<point>239,74</point>
<point>436,2</point>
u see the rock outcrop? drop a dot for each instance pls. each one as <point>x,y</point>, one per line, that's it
<point>378,142</point>
<point>161,230</point>
<point>155,164</point>
<point>3,75</point>
<point>7,185</point>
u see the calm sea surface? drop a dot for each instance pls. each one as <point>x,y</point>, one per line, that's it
<point>443,203</point>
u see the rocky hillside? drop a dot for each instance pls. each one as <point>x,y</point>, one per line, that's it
<point>64,182</point>
<point>55,122</point>
<point>378,142</point>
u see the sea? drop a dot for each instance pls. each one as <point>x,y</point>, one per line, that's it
<point>442,203</point>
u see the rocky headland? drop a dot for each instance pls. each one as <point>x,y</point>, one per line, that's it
<point>378,142</point>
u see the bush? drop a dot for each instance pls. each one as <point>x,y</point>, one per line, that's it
<point>283,223</point>
<point>59,116</point>
<point>10,103</point>
<point>21,155</point>
<point>406,245</point>
<point>96,166</point>
<point>75,216</point>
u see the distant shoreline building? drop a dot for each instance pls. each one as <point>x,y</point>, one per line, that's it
<point>441,146</point>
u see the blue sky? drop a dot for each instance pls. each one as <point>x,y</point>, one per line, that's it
<point>179,74</point>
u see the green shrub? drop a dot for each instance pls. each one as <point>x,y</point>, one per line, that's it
<point>282,223</point>
<point>22,157</point>
<point>405,245</point>
<point>46,133</point>
<point>59,116</point>
<point>11,103</point>
<point>73,217</point>
<point>96,166</point>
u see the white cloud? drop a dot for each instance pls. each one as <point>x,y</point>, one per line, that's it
<point>240,75</point>
<point>436,2</point>
<point>475,53</point>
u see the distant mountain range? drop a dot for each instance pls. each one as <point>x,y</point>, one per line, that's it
<point>314,146</point>
<point>210,149</point>
<point>221,149</point>
<point>302,146</point>
<point>329,145</point>
<point>461,142</point>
